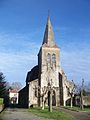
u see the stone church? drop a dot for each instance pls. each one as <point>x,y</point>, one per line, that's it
<point>47,75</point>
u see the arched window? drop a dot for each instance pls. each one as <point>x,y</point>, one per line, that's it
<point>48,58</point>
<point>48,61</point>
<point>53,58</point>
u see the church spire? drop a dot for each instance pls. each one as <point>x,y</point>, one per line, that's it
<point>49,35</point>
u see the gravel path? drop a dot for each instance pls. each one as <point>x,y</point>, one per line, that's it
<point>78,115</point>
<point>19,114</point>
<point>23,114</point>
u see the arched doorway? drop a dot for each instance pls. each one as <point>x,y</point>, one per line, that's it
<point>48,98</point>
<point>54,98</point>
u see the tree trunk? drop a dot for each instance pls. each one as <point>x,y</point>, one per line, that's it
<point>50,105</point>
<point>81,101</point>
<point>71,101</point>
<point>42,103</point>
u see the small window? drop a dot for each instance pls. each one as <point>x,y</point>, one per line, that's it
<point>53,58</point>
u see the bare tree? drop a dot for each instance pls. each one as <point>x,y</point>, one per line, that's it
<point>81,90</point>
<point>87,87</point>
<point>81,94</point>
<point>41,92</point>
<point>71,91</point>
<point>16,85</point>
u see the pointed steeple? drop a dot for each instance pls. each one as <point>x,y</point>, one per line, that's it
<point>49,35</point>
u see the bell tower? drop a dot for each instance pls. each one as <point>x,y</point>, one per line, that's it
<point>49,58</point>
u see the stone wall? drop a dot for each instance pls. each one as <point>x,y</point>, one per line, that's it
<point>23,97</point>
<point>33,93</point>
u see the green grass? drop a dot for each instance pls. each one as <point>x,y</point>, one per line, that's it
<point>56,115</point>
<point>1,101</point>
<point>86,109</point>
<point>78,108</point>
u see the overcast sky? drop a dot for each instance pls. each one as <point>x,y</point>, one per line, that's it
<point>22,25</point>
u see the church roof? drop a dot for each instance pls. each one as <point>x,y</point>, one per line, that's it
<point>33,74</point>
<point>49,39</point>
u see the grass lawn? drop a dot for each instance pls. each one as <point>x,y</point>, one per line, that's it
<point>78,108</point>
<point>1,101</point>
<point>56,115</point>
<point>87,109</point>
